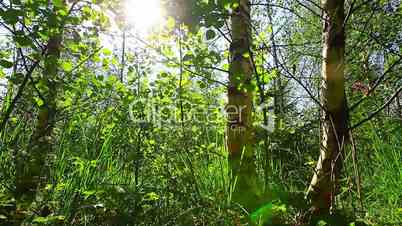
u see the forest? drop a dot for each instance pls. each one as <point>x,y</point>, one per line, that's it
<point>201,112</point>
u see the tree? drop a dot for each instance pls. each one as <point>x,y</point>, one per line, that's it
<point>334,115</point>
<point>240,95</point>
<point>31,166</point>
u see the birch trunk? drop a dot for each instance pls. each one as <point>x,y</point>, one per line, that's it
<point>240,96</point>
<point>323,186</point>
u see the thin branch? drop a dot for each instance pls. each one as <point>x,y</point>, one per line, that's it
<point>287,9</point>
<point>315,4</point>
<point>377,83</point>
<point>303,86</point>
<point>312,11</point>
<point>349,13</point>
<point>84,60</point>
<point>205,77</point>
<point>372,115</point>
<point>223,34</point>
<point>17,96</point>
<point>211,68</point>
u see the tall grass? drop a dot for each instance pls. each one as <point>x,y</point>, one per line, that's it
<point>382,173</point>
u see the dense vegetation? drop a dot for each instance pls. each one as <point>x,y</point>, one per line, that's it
<point>227,112</point>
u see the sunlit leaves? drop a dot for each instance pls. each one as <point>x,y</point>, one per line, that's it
<point>39,102</point>
<point>58,3</point>
<point>203,13</point>
<point>152,196</point>
<point>67,66</point>
<point>49,220</point>
<point>170,23</point>
<point>106,52</point>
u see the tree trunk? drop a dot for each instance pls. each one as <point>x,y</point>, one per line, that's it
<point>323,186</point>
<point>240,95</point>
<point>31,166</point>
<point>399,105</point>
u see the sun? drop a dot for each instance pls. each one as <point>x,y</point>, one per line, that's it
<point>143,15</point>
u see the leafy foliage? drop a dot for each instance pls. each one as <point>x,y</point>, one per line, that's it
<point>138,136</point>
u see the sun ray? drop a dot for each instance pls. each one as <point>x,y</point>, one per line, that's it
<point>143,15</point>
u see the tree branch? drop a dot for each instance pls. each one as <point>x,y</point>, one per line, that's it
<point>372,115</point>
<point>17,96</point>
<point>377,83</point>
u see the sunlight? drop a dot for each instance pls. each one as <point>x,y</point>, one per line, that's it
<point>143,15</point>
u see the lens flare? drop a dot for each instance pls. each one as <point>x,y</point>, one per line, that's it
<point>143,15</point>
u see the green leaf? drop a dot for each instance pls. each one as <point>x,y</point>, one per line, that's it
<point>68,102</point>
<point>67,66</point>
<point>39,102</point>
<point>88,193</point>
<point>107,52</point>
<point>210,34</point>
<point>58,3</point>
<point>152,196</point>
<point>321,223</point>
<point>40,220</point>
<point>10,16</point>
<point>6,64</point>
<point>235,5</point>
<point>202,84</point>
<point>2,74</point>
<point>171,23</point>
<point>23,41</point>
<point>62,13</point>
<point>262,214</point>
<point>265,214</point>
<point>49,219</point>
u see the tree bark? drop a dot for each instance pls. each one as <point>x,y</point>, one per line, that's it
<point>31,167</point>
<point>245,190</point>
<point>323,186</point>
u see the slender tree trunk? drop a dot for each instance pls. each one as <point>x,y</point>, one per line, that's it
<point>9,86</point>
<point>278,87</point>
<point>31,167</point>
<point>123,55</point>
<point>323,186</point>
<point>240,95</point>
<point>399,105</point>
